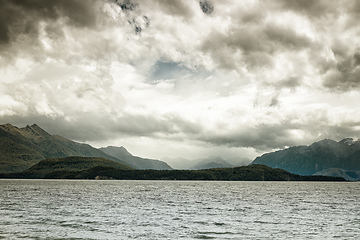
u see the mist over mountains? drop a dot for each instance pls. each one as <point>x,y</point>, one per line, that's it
<point>206,163</point>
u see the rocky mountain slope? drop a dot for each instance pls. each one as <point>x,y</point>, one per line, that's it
<point>319,156</point>
<point>21,148</point>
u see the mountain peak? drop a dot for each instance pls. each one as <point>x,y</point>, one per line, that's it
<point>121,149</point>
<point>9,128</point>
<point>7,125</point>
<point>348,141</point>
<point>326,141</point>
<point>141,163</point>
<point>35,126</point>
<point>34,131</point>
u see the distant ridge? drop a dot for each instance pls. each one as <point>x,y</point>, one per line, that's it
<point>319,156</point>
<point>205,163</point>
<point>211,162</point>
<point>138,162</point>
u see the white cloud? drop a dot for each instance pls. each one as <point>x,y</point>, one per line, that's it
<point>250,76</point>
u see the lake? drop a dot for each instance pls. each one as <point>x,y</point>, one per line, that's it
<point>109,209</point>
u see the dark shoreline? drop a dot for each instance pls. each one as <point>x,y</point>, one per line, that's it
<point>245,173</point>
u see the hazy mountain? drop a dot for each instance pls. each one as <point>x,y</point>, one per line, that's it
<point>337,172</point>
<point>236,161</point>
<point>205,163</point>
<point>24,147</point>
<point>211,162</point>
<point>141,163</point>
<point>319,156</point>
<point>179,162</point>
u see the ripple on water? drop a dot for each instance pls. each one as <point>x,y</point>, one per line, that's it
<point>44,209</point>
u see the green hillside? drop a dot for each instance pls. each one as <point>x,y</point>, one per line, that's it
<point>21,148</point>
<point>66,164</point>
<point>16,157</point>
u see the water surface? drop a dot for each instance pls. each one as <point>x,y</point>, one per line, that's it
<point>89,209</point>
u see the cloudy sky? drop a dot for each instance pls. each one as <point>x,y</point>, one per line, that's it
<point>191,78</point>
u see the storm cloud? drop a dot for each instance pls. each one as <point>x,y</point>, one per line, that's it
<point>238,77</point>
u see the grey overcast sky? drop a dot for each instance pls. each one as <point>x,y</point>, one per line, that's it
<point>183,78</point>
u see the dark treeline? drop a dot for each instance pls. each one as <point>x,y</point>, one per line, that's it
<point>245,173</point>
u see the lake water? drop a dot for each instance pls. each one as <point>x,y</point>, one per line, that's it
<point>65,209</point>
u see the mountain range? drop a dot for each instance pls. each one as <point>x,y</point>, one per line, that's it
<point>326,157</point>
<point>206,163</point>
<point>21,148</point>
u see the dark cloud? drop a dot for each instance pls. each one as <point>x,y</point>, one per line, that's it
<point>175,70</point>
<point>207,7</point>
<point>258,59</point>
<point>140,24</point>
<point>91,126</point>
<point>41,29</point>
<point>262,137</point>
<point>133,14</point>
<point>127,5</point>
<point>176,8</point>
<point>267,38</point>
<point>7,19</point>
<point>340,48</point>
<point>357,58</point>
<point>313,8</point>
<point>291,82</point>
<point>345,75</point>
<point>23,17</point>
<point>342,81</point>
<point>247,39</point>
<point>354,10</point>
<point>252,17</point>
<point>266,137</point>
<point>136,26</point>
<point>257,45</point>
<point>286,37</point>
<point>147,21</point>
<point>275,100</point>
